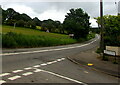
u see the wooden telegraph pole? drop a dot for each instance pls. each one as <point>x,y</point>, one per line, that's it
<point>101,29</point>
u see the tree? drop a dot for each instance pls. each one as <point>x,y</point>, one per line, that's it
<point>112,29</point>
<point>20,23</point>
<point>48,25</point>
<point>30,24</point>
<point>25,17</point>
<point>77,23</point>
<point>10,13</point>
<point>8,16</point>
<point>37,21</point>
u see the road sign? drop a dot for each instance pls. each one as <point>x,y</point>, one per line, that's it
<point>110,52</point>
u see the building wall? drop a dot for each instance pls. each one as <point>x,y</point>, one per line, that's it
<point>112,48</point>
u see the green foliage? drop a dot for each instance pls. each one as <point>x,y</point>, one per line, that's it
<point>115,62</point>
<point>77,23</point>
<point>25,17</point>
<point>10,17</point>
<point>14,40</point>
<point>105,58</point>
<point>37,21</point>
<point>35,32</point>
<point>52,26</point>
<point>20,23</point>
<point>112,29</point>
<point>98,50</point>
<point>90,36</point>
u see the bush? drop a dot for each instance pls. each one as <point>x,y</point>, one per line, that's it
<point>98,50</point>
<point>14,40</point>
<point>90,36</point>
<point>105,58</point>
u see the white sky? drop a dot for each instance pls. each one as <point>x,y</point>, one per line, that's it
<point>57,10</point>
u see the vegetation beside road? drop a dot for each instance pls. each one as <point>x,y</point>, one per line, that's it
<point>14,40</point>
<point>21,38</point>
<point>111,30</point>
<point>111,35</point>
<point>27,31</point>
<point>20,30</point>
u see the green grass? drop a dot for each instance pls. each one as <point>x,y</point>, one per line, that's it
<point>25,37</point>
<point>27,31</point>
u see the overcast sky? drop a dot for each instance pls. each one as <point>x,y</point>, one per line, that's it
<point>57,9</point>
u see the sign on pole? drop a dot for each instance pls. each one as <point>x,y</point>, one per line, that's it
<point>113,53</point>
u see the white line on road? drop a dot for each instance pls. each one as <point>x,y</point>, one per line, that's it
<point>54,61</point>
<point>63,58</point>
<point>36,66</point>
<point>4,74</point>
<point>2,81</point>
<point>27,73</point>
<point>16,71</point>
<point>86,72</point>
<point>50,49</point>
<point>59,59</point>
<point>44,64</point>
<point>49,62</point>
<point>14,77</point>
<point>64,77</point>
<point>28,68</point>
<point>38,70</point>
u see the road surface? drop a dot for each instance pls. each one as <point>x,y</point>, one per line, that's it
<point>50,65</point>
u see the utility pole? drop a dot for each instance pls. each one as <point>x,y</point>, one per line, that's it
<point>101,29</point>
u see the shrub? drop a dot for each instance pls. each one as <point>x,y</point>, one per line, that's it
<point>13,40</point>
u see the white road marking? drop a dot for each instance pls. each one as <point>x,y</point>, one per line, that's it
<point>2,81</point>
<point>64,77</point>
<point>14,77</point>
<point>28,68</point>
<point>38,70</point>
<point>63,58</point>
<point>59,60</point>
<point>36,66</point>
<point>54,61</point>
<point>86,72</point>
<point>28,73</point>
<point>4,74</point>
<point>49,62</point>
<point>50,49</point>
<point>43,64</point>
<point>16,71</point>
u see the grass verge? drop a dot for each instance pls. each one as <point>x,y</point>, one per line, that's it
<point>15,40</point>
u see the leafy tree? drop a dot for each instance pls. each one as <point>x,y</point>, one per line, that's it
<point>8,16</point>
<point>37,21</point>
<point>43,26</point>
<point>20,23</point>
<point>33,25</point>
<point>17,16</point>
<point>111,29</point>
<point>48,25</point>
<point>25,17</point>
<point>77,22</point>
<point>58,27</point>
<point>30,24</point>
<point>10,13</point>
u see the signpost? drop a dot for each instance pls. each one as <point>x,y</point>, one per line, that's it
<point>109,52</point>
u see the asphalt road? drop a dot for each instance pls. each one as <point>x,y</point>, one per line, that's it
<point>50,65</point>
